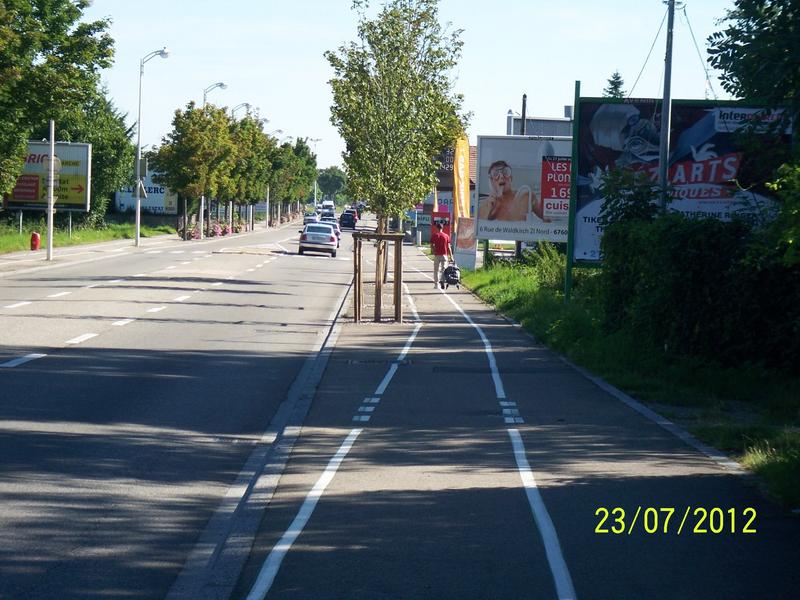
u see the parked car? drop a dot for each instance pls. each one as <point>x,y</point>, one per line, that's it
<point>318,237</point>
<point>348,219</point>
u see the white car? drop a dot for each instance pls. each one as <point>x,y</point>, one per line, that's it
<point>310,218</point>
<point>318,237</point>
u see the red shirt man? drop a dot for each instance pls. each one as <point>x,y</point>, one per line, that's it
<point>440,245</point>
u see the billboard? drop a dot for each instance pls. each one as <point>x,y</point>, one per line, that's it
<point>73,175</point>
<point>520,186</point>
<point>159,201</point>
<point>711,171</point>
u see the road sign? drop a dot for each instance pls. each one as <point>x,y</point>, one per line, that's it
<point>72,177</point>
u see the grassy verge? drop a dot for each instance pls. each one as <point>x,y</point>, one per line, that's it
<point>12,241</point>
<point>750,413</point>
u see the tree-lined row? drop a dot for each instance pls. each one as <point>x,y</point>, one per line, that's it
<point>209,154</point>
<point>50,63</point>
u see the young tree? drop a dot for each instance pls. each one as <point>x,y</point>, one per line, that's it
<point>394,105</point>
<point>48,61</point>
<point>614,87</point>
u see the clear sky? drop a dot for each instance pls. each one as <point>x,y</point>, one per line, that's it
<point>270,54</point>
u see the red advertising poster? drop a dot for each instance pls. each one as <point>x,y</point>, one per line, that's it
<point>555,187</point>
<point>27,188</point>
<point>443,217</point>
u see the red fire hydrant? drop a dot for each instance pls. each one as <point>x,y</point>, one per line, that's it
<point>36,240</point>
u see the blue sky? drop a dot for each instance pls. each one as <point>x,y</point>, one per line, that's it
<point>270,54</point>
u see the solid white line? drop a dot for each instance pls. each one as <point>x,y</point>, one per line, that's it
<point>21,360</point>
<point>59,294</point>
<point>123,322</point>
<point>81,338</point>
<point>270,568</point>
<point>498,383</point>
<point>411,302</point>
<point>156,309</point>
<point>17,305</point>
<point>387,379</point>
<point>409,342</point>
<point>181,298</point>
<point>558,566</point>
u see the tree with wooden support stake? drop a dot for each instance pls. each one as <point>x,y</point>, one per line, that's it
<point>395,108</point>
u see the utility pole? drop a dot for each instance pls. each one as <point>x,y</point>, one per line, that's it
<point>522,130</point>
<point>666,110</point>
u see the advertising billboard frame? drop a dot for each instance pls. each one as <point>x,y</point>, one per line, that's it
<point>526,152</point>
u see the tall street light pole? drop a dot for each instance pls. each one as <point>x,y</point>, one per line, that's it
<point>163,53</point>
<point>245,105</point>
<point>316,170</point>
<point>213,86</point>
<point>666,109</point>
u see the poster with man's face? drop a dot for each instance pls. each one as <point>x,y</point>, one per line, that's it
<point>521,188</point>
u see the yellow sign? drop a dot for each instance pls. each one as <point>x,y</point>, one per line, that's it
<point>461,179</point>
<point>72,180</point>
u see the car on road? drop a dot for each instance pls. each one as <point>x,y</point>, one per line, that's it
<point>348,219</point>
<point>332,222</point>
<point>310,218</point>
<point>318,237</point>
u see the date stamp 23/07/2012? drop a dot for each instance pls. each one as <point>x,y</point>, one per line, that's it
<point>694,520</point>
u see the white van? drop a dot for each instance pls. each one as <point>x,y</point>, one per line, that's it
<point>328,205</point>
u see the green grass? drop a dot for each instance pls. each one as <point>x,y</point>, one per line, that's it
<point>749,412</point>
<point>12,241</point>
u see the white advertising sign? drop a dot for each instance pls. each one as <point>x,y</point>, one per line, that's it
<point>159,201</point>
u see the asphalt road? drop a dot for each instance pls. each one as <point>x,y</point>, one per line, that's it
<point>135,384</point>
<point>222,437</point>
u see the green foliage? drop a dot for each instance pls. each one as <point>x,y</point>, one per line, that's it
<point>701,288</point>
<point>331,181</point>
<point>628,196</point>
<point>98,122</point>
<point>788,225</point>
<point>251,172</point>
<point>196,158</point>
<point>393,103</point>
<point>614,87</point>
<point>758,52</point>
<point>48,65</point>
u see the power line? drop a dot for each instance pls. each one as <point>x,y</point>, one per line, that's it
<point>699,54</point>
<point>648,54</point>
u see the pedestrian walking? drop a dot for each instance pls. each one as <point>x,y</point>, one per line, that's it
<point>440,245</point>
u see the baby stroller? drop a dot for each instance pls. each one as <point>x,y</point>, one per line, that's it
<point>451,275</point>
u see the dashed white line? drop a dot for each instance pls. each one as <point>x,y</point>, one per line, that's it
<point>368,409</point>
<point>181,298</point>
<point>156,309</point>
<point>123,322</point>
<point>21,360</point>
<point>17,305</point>
<point>81,338</point>
<point>59,294</point>
<point>116,281</point>
<point>216,283</point>
<point>141,275</point>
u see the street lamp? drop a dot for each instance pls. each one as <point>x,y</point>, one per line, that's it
<point>316,170</point>
<point>245,105</point>
<point>219,84</point>
<point>163,53</point>
<point>278,131</point>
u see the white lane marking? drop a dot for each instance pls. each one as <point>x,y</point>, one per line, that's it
<point>156,309</point>
<point>123,322</point>
<point>498,383</point>
<point>273,562</point>
<point>282,248</point>
<point>17,305</point>
<point>81,338</point>
<point>361,418</point>
<point>372,400</point>
<point>141,275</point>
<point>410,341</point>
<point>89,287</point>
<point>367,409</point>
<point>188,262</point>
<point>21,360</point>
<point>181,298</point>
<point>116,281</point>
<point>154,252</point>
<point>547,530</point>
<point>177,251</point>
<point>250,270</point>
<point>511,412</point>
<point>411,302</point>
<point>59,294</point>
<point>387,379</point>
<point>171,267</point>
<point>511,404</point>
<point>217,283</point>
